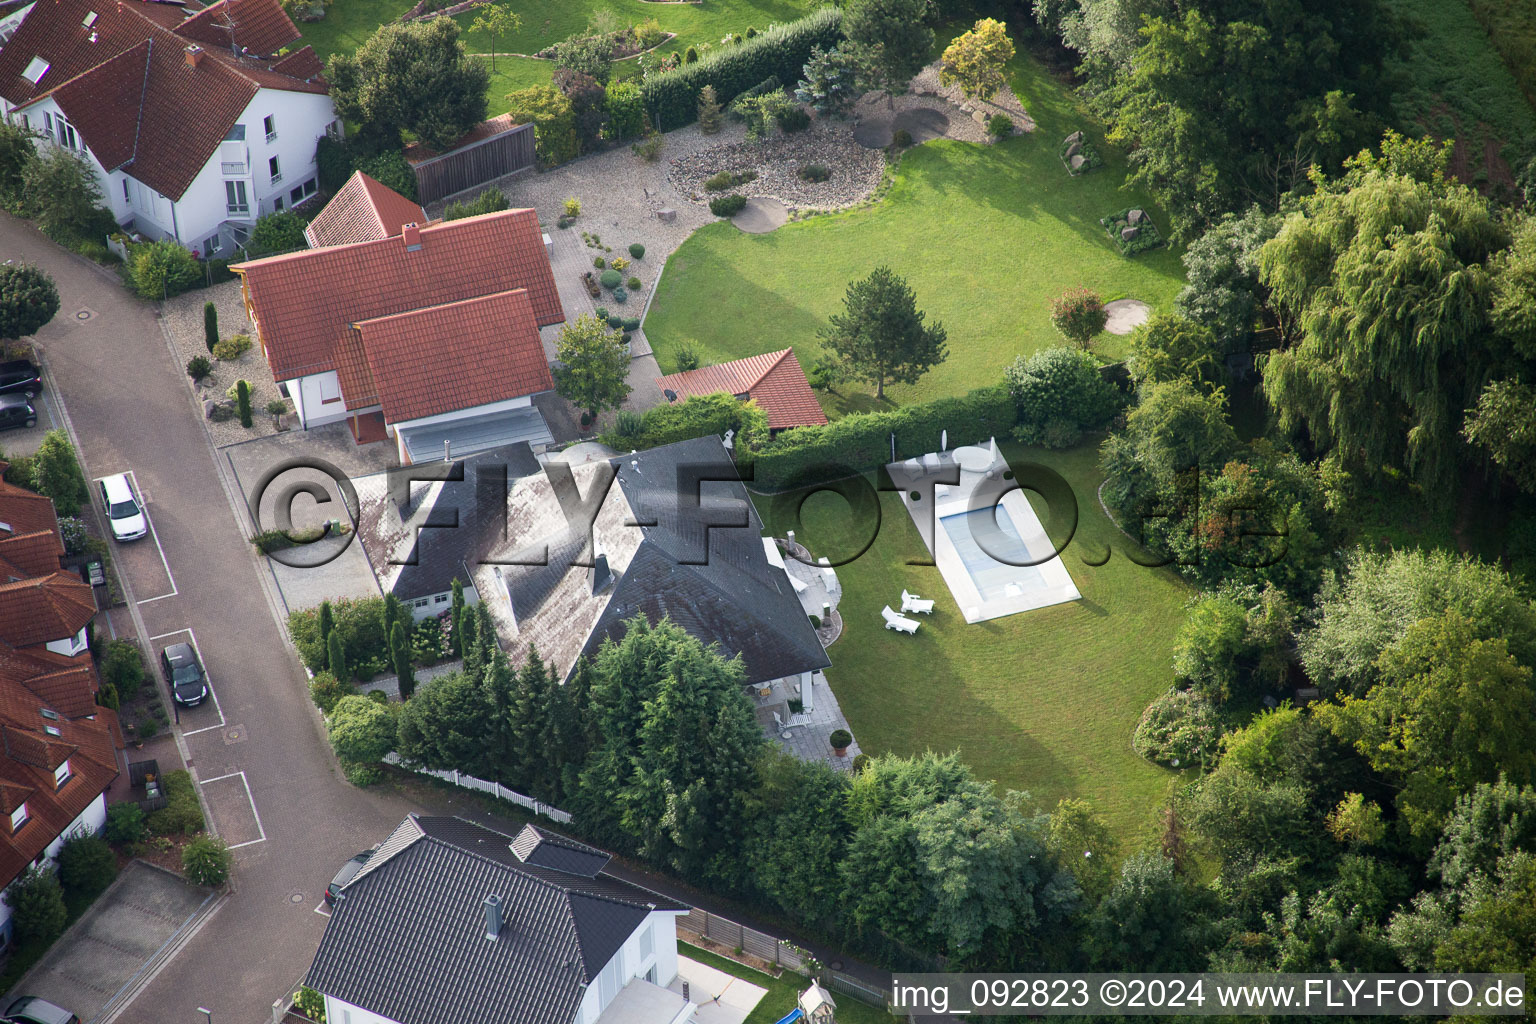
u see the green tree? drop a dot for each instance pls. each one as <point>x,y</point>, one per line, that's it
<point>56,473</point>
<point>327,626</point>
<point>1450,710</point>
<point>413,77</point>
<point>1079,315</point>
<point>159,270</point>
<point>37,906</point>
<point>496,21</point>
<point>87,866</point>
<point>829,82</point>
<point>1152,919</point>
<point>798,831</point>
<point>210,326</point>
<point>60,191</point>
<point>400,654</point>
<point>282,231</point>
<point>881,336</point>
<point>709,110</point>
<point>1085,845</point>
<point>586,54</point>
<point>890,40</point>
<point>336,656</point>
<point>491,200</point>
<point>17,150</point>
<point>1504,424</point>
<point>1171,347</point>
<point>977,60</point>
<point>1059,389</point>
<point>594,365</point>
<point>362,731</point>
<point>1222,268</point>
<point>553,120</point>
<point>531,727</point>
<point>443,726</point>
<point>1173,429</point>
<point>125,824</point>
<point>1357,820</point>
<point>1497,931</point>
<point>28,299</point>
<point>243,402</point>
<point>206,860</point>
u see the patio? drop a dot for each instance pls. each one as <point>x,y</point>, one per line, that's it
<point>718,998</point>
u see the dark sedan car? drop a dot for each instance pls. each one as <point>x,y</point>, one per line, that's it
<point>184,672</point>
<point>16,411</point>
<point>19,377</point>
<point>348,871</point>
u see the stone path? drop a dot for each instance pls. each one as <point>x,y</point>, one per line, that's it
<point>1125,315</point>
<point>761,215</point>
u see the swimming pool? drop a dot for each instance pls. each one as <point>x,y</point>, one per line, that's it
<point>994,556</point>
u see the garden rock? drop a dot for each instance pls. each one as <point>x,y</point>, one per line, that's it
<point>1078,162</point>
<point>666,216</point>
<point>1129,232</point>
<point>1074,138</point>
<point>1136,216</point>
<point>1074,149</point>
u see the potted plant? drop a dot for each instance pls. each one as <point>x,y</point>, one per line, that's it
<point>840,739</point>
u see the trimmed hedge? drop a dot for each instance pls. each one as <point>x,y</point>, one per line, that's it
<point>699,416</point>
<point>672,98</point>
<point>863,441</point>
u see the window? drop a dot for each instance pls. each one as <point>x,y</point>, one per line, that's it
<point>211,246</point>
<point>19,817</point>
<point>274,170</point>
<point>269,126</point>
<point>35,71</point>
<point>65,132</point>
<point>647,942</point>
<point>235,197</point>
<point>52,716</point>
<point>302,192</point>
<point>330,388</point>
<point>61,773</point>
<point>52,730</point>
<point>277,204</point>
<point>420,602</point>
<point>126,197</point>
<point>440,599</point>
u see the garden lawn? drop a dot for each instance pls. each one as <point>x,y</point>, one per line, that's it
<point>783,992</point>
<point>348,23</point>
<point>985,235</point>
<point>1043,701</point>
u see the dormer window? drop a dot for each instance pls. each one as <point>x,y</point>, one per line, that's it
<point>61,774</point>
<point>52,730</point>
<point>35,70</point>
<point>19,817</point>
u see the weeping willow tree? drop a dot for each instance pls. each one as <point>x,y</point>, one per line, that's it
<point>1383,286</point>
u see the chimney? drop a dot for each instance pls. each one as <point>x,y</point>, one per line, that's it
<point>601,574</point>
<point>411,233</point>
<point>194,55</point>
<point>492,907</point>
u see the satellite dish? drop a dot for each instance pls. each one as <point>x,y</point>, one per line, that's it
<point>671,395</point>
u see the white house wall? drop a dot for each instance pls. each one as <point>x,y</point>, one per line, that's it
<point>339,1011</point>
<point>308,399</point>
<point>93,819</point>
<point>663,957</point>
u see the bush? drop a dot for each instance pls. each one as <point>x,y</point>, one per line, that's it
<point>182,814</point>
<point>649,148</point>
<point>626,115</point>
<point>243,402</point>
<point>232,347</point>
<point>901,139</point>
<point>611,279</point>
<point>1059,391</point>
<point>840,738</point>
<point>792,119</point>
<point>325,690</point>
<point>206,861</point>
<point>727,206</point>
<point>633,284</point>
<point>615,321</point>
<point>161,269</point>
<point>125,824</point>
<point>37,906</point>
<point>687,359</point>
<point>619,263</point>
<point>1078,314</point>
<point>74,534</point>
<point>55,473</point>
<point>672,97</point>
<point>492,200</point>
<point>1178,729</point>
<point>122,665</point>
<point>572,207</point>
<point>1000,125</point>
<point>28,299</point>
<point>390,168</point>
<point>626,424</point>
<point>632,323</point>
<point>697,416</point>
<point>554,128</point>
<point>636,251</point>
<point>310,1003</point>
<point>620,295</point>
<point>708,111</point>
<point>278,232</point>
<point>87,866</point>
<point>198,367</point>
<point>728,179</point>
<point>814,172</point>
<point>599,263</point>
<point>360,625</point>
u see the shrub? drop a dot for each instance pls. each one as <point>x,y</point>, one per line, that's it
<point>860,762</point>
<point>615,321</point>
<point>632,323</point>
<point>649,148</point>
<point>232,347</point>
<point>361,729</point>
<point>611,279</point>
<point>37,906</point>
<point>1060,388</point>
<point>206,861</point>
<point>627,424</point>
<point>602,313</point>
<point>792,119</point>
<point>619,263</point>
<point>74,534</point>
<point>1178,729</point>
<point>840,738</point>
<point>633,284</point>
<point>814,172</point>
<point>901,139</point>
<point>310,1003</point>
<point>325,690</point>
<point>636,251</point>
<point>282,231</point>
<point>125,824</point>
<point>361,775</point>
<point>1000,124</point>
<point>673,97</point>
<point>626,115</point>
<point>815,621</point>
<point>243,402</point>
<point>1078,314</point>
<point>210,325</point>
<point>276,407</point>
<point>708,111</point>
<point>182,814</point>
<point>389,168</point>
<point>122,665</point>
<point>687,359</point>
<point>55,473</point>
<point>87,866</point>
<point>599,263</point>
<point>620,295</point>
<point>727,206</point>
<point>728,179</point>
<point>492,200</point>
<point>572,207</point>
<point>198,367</point>
<point>554,128</point>
<point>360,624</point>
<point>161,269</point>
<point>824,375</point>
<point>697,416</point>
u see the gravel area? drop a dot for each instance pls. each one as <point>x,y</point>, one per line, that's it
<point>182,317</point>
<point>777,161</point>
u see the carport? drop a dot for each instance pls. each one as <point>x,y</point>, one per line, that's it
<point>458,438</point>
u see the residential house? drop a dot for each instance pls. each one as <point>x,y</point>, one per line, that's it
<point>196,124</point>
<point>58,748</point>
<point>774,380</point>
<point>363,210</point>
<point>430,336</point>
<point>453,923</point>
<point>673,534</point>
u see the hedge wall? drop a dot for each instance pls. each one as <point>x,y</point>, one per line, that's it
<point>672,98</point>
<point>863,442</point>
<point>699,416</point>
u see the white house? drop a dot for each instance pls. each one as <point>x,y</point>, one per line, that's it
<point>478,927</point>
<point>196,125</point>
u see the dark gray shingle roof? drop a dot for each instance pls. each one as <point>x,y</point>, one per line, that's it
<point>407,938</point>
<point>535,846</point>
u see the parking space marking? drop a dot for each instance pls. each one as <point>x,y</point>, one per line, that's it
<point>153,533</point>
<point>262,832</point>
<point>322,909</point>
<point>207,677</point>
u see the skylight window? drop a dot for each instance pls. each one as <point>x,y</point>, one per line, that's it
<point>35,70</point>
<point>90,19</point>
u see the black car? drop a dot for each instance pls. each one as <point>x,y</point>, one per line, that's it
<point>19,377</point>
<point>16,411</point>
<point>184,673</point>
<point>348,872</point>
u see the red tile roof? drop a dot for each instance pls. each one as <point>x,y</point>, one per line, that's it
<point>774,380</point>
<point>44,608</point>
<point>363,210</point>
<point>125,84</point>
<point>29,554</point>
<point>305,302</point>
<point>456,356</point>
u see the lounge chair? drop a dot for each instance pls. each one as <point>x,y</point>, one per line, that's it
<point>898,622</point>
<point>913,603</point>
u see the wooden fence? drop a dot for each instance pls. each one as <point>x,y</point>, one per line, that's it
<point>495,789</point>
<point>474,164</point>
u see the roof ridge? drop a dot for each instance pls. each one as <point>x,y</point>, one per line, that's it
<point>379,320</point>
<point>772,365</point>
<point>138,123</point>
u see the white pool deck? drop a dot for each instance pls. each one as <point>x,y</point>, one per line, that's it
<point>717,997</point>
<point>963,480</point>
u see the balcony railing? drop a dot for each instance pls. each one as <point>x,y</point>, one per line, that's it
<point>232,169</point>
<point>272,136</point>
<point>277,177</point>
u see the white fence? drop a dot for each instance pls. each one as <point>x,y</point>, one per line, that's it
<point>495,789</point>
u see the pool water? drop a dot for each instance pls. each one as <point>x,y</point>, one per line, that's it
<point>989,568</point>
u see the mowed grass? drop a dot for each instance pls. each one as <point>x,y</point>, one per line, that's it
<point>1043,701</point>
<point>985,235</point>
<point>783,993</point>
<point>349,23</point>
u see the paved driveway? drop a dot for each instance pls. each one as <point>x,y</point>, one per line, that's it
<point>260,752</point>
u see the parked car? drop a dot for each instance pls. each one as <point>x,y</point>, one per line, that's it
<point>32,1010</point>
<point>184,674</point>
<point>348,872</point>
<point>20,377</point>
<point>16,411</point>
<point>125,512</point>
